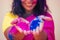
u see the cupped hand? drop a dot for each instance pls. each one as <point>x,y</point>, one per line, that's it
<point>37,32</point>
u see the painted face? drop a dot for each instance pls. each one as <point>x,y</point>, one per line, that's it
<point>29,4</point>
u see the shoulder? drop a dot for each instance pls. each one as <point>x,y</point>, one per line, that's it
<point>8,18</point>
<point>49,14</point>
<point>10,14</point>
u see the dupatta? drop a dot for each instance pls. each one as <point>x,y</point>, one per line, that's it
<point>48,28</point>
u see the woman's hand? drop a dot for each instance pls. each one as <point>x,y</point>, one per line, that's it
<point>39,34</point>
<point>45,18</point>
<point>21,33</point>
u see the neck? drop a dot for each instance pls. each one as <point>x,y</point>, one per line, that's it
<point>28,12</point>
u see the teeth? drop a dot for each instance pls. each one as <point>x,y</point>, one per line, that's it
<point>28,4</point>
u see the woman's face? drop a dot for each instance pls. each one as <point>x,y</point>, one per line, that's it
<point>29,4</point>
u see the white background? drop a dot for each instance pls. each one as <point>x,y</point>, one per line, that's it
<point>54,6</point>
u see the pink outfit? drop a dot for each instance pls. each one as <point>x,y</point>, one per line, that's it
<point>48,28</point>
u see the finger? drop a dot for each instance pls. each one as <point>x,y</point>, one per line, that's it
<point>37,30</point>
<point>45,18</point>
<point>19,29</point>
<point>23,20</point>
<point>28,32</point>
<point>34,31</point>
<point>14,21</point>
<point>48,18</point>
<point>41,26</point>
<point>25,32</point>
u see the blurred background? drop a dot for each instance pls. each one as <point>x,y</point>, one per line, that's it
<point>54,6</point>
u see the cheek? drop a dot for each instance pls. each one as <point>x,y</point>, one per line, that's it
<point>23,0</point>
<point>34,2</point>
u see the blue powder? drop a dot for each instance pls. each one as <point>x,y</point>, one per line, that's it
<point>35,23</point>
<point>10,36</point>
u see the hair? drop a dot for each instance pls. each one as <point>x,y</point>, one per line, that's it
<point>40,8</point>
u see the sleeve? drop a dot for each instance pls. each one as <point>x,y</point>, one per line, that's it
<point>49,29</point>
<point>7,20</point>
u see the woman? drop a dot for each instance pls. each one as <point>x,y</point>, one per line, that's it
<point>28,10</point>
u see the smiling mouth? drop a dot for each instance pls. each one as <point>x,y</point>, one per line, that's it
<point>29,5</point>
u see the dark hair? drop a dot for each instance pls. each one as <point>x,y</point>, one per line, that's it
<point>40,8</point>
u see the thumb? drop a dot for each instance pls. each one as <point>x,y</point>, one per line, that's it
<point>46,18</point>
<point>14,21</point>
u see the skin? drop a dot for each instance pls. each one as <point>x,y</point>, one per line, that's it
<point>29,5</point>
<point>38,34</point>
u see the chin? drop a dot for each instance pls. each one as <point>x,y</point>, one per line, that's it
<point>29,9</point>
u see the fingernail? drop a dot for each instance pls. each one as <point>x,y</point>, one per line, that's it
<point>25,32</point>
<point>34,31</point>
<point>28,32</point>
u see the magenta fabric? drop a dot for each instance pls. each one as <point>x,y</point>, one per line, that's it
<point>48,28</point>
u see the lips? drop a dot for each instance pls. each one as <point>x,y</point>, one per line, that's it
<point>29,4</point>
